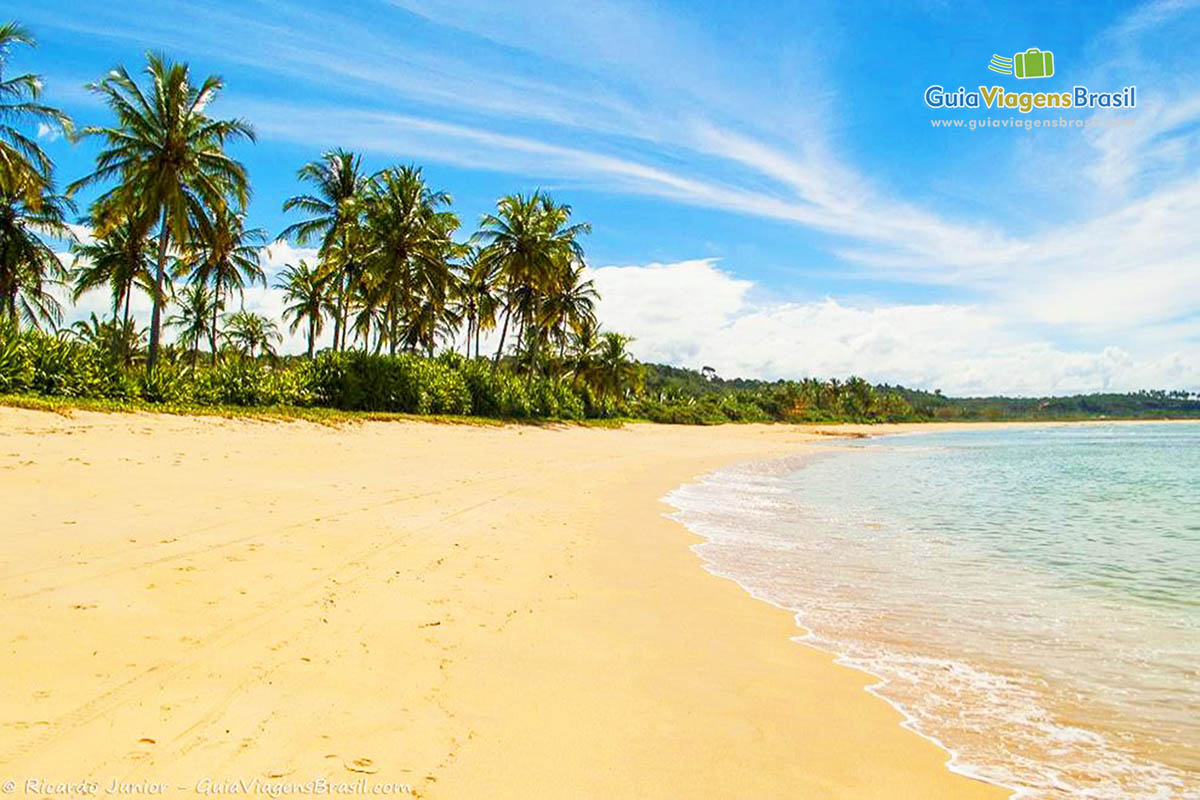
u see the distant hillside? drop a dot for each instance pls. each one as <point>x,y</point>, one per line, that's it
<point>813,399</point>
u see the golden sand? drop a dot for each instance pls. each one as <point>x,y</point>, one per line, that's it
<point>471,611</point>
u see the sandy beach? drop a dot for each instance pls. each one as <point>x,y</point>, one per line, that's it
<point>468,611</point>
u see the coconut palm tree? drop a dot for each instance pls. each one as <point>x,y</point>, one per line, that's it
<point>167,157</point>
<point>119,260</point>
<point>367,306</point>
<point>569,303</point>
<point>27,165</point>
<point>476,295</point>
<point>225,257</point>
<point>307,292</point>
<point>527,238</point>
<point>411,248</point>
<point>581,360</point>
<point>29,267</point>
<point>334,210</point>
<point>252,333</point>
<point>616,371</point>
<point>197,305</point>
<point>119,338</point>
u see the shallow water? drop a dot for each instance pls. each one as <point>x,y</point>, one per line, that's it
<point>1029,597</point>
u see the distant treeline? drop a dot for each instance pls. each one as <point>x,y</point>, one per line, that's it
<point>813,400</point>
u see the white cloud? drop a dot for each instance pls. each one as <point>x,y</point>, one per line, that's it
<point>629,100</point>
<point>694,314</point>
<point>48,133</point>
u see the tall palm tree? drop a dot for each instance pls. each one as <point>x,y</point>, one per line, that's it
<point>29,267</point>
<point>412,245</point>
<point>476,295</point>
<point>168,158</point>
<point>367,303</point>
<point>252,333</point>
<point>584,352</point>
<point>569,303</point>
<point>616,371</point>
<point>307,292</point>
<point>225,257</point>
<point>527,238</point>
<point>120,260</point>
<point>197,304</point>
<point>27,165</point>
<point>334,209</point>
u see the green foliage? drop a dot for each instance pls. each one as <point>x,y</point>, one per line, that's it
<point>16,373</point>
<point>165,384</point>
<point>65,368</point>
<point>36,363</point>
<point>357,381</point>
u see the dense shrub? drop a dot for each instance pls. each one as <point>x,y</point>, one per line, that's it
<point>356,381</point>
<point>495,393</point>
<point>16,372</point>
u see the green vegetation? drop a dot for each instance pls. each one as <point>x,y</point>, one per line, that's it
<point>407,298</point>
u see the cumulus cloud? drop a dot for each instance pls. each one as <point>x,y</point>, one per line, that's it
<point>695,314</point>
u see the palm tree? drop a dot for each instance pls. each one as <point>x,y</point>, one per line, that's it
<point>411,248</point>
<point>197,305</point>
<point>334,210</point>
<point>119,260</point>
<point>860,397</point>
<point>251,333</point>
<point>585,349</point>
<point>569,304</point>
<point>616,371</point>
<point>25,163</point>
<point>119,338</point>
<point>168,158</point>
<point>367,303</point>
<point>29,267</point>
<point>226,257</point>
<point>475,295</point>
<point>527,238</point>
<point>307,292</point>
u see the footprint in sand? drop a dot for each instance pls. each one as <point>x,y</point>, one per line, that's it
<point>363,765</point>
<point>144,746</point>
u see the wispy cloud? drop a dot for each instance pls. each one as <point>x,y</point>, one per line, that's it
<point>625,97</point>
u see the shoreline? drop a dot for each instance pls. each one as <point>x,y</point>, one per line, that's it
<point>462,609</point>
<point>807,637</point>
<point>704,511</point>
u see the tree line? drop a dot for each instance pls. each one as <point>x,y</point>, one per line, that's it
<point>170,221</point>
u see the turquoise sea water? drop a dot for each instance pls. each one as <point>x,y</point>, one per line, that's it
<point>1029,597</point>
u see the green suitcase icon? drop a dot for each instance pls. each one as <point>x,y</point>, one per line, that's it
<point>1034,63</point>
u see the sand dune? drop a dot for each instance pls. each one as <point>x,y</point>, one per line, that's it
<point>471,611</point>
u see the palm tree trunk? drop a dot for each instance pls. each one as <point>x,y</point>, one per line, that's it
<point>503,333</point>
<point>311,335</point>
<point>390,313</point>
<point>156,314</point>
<point>212,336</point>
<point>125,330</point>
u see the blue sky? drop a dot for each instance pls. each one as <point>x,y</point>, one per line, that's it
<point>767,193</point>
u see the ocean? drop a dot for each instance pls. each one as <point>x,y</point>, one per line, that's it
<point>1028,597</point>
